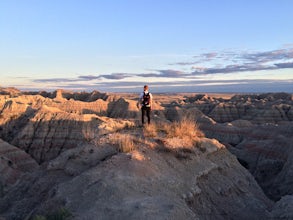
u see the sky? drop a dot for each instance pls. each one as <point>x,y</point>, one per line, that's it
<point>121,45</point>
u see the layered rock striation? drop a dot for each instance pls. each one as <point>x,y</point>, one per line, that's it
<point>84,153</point>
<point>258,129</point>
<point>96,181</point>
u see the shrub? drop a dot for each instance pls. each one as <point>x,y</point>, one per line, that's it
<point>181,138</point>
<point>186,128</point>
<point>124,142</point>
<point>60,214</point>
<point>1,190</point>
<point>150,130</point>
<point>39,217</point>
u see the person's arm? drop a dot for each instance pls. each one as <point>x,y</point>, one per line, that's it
<point>151,100</point>
<point>139,100</point>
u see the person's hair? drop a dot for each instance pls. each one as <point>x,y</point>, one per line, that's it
<point>146,86</point>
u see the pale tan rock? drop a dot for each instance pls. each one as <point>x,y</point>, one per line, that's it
<point>13,164</point>
<point>134,187</point>
<point>82,170</point>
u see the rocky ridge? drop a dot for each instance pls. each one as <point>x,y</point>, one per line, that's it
<point>67,142</point>
<point>258,129</point>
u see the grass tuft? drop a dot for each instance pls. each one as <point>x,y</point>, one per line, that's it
<point>186,128</point>
<point>124,142</point>
<point>180,138</point>
<point>150,130</point>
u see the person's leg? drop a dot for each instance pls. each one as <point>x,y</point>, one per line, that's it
<point>142,114</point>
<point>149,115</point>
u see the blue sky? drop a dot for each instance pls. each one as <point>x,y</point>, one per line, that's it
<point>174,46</point>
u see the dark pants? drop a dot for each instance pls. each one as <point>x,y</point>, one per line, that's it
<point>145,111</point>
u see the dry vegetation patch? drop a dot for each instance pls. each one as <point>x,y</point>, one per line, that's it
<point>185,129</point>
<point>150,130</point>
<point>124,142</point>
<point>179,138</point>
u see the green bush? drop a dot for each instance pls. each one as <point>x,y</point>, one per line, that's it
<point>61,214</point>
<point>39,217</point>
<point>1,190</point>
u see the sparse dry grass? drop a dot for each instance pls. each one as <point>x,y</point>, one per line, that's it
<point>181,137</point>
<point>150,130</point>
<point>124,142</point>
<point>186,128</point>
<point>179,152</point>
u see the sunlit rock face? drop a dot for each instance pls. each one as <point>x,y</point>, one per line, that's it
<point>14,162</point>
<point>258,129</point>
<point>86,153</point>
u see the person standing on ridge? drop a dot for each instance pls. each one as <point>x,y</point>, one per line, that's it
<point>145,100</point>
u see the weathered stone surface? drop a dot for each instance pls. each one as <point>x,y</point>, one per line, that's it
<point>13,164</point>
<point>283,209</point>
<point>44,128</point>
<point>82,169</point>
<point>258,129</point>
<point>264,108</point>
<point>143,184</point>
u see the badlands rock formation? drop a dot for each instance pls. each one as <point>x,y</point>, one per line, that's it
<point>13,163</point>
<point>258,129</point>
<point>83,154</point>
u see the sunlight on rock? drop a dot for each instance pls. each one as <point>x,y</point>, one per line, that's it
<point>136,155</point>
<point>87,155</point>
